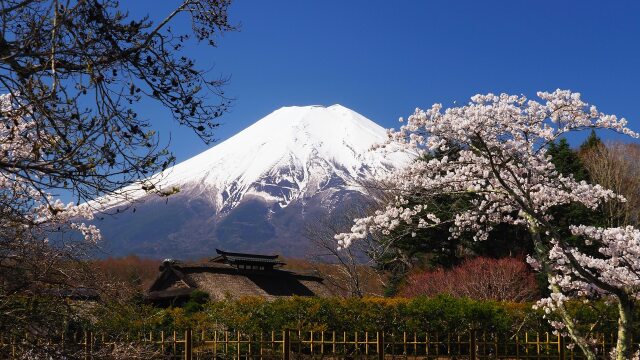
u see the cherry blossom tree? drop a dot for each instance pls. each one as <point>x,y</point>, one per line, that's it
<point>502,165</point>
<point>39,235</point>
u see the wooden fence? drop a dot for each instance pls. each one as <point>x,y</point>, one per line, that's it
<point>290,344</point>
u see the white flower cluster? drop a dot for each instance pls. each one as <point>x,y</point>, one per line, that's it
<point>502,162</point>
<point>40,213</point>
<point>615,270</point>
<point>616,267</point>
<point>389,219</point>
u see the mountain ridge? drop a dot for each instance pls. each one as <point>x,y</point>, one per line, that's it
<point>310,159</point>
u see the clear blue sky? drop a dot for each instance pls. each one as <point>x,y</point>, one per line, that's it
<point>385,58</point>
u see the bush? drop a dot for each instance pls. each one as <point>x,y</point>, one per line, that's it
<point>252,315</point>
<point>506,279</point>
<point>196,301</point>
<point>443,313</point>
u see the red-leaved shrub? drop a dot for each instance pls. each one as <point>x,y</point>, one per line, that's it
<point>506,279</point>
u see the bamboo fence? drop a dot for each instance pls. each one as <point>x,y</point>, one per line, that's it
<point>292,344</point>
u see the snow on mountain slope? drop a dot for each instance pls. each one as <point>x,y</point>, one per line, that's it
<point>258,191</point>
<point>292,153</point>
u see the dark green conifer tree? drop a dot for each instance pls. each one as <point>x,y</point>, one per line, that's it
<point>593,141</point>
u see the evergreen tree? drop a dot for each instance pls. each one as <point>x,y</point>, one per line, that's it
<point>592,142</point>
<point>566,160</point>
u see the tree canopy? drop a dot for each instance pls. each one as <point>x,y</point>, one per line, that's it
<point>505,169</point>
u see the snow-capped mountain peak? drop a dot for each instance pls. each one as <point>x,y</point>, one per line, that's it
<point>292,153</point>
<point>258,190</point>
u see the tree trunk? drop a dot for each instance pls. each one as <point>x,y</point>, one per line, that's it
<point>542,255</point>
<point>573,332</point>
<point>625,319</point>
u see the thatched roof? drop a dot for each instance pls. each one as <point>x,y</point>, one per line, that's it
<point>232,276</point>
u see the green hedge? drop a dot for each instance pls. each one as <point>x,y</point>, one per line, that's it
<point>437,314</point>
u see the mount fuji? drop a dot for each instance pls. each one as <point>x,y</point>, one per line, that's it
<point>258,190</point>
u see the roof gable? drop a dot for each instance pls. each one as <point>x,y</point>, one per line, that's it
<point>255,261</point>
<point>171,277</point>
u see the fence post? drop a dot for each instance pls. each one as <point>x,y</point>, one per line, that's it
<point>188,345</point>
<point>561,347</point>
<point>472,345</point>
<point>88,344</point>
<point>380,344</point>
<point>285,345</point>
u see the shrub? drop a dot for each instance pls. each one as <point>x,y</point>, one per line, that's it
<point>506,279</point>
<point>196,300</point>
<point>442,313</point>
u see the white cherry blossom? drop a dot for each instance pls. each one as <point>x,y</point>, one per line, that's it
<point>24,206</point>
<point>503,166</point>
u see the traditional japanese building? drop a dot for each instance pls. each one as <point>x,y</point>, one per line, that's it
<point>232,275</point>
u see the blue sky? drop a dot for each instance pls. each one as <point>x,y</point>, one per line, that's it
<point>385,58</point>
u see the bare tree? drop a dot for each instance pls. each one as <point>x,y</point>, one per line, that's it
<point>351,270</point>
<point>616,166</point>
